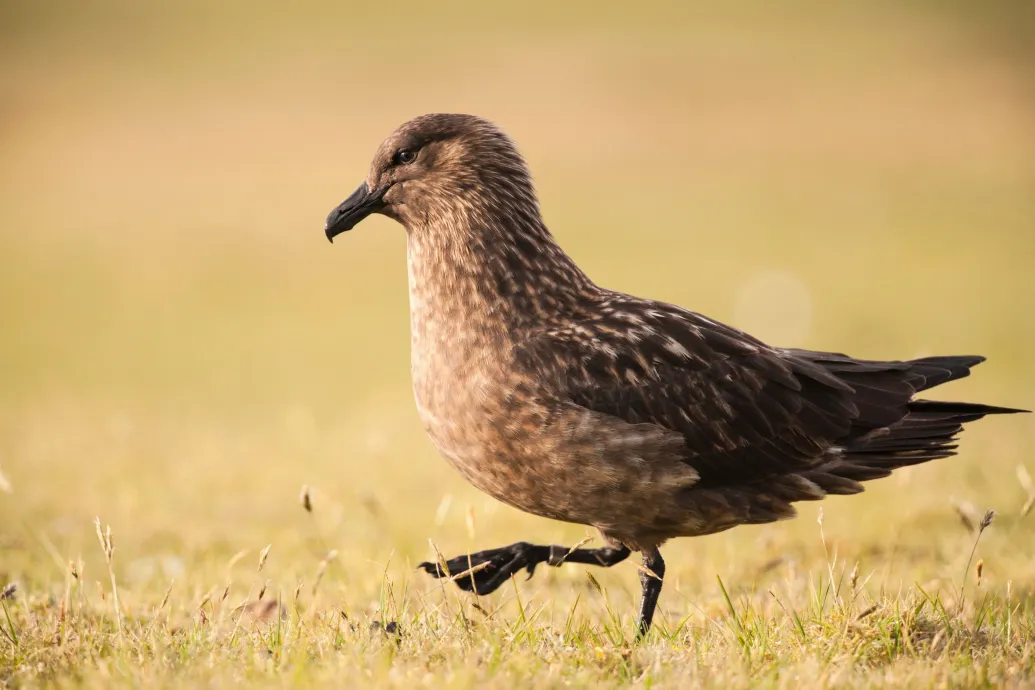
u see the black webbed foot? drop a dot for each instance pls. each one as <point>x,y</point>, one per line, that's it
<point>492,567</point>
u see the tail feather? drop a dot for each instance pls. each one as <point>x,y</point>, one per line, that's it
<point>939,370</point>
<point>890,429</point>
<point>927,431</point>
<point>972,411</point>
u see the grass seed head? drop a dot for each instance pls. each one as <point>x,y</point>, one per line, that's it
<point>966,512</point>
<point>306,499</point>
<point>593,581</point>
<point>322,568</point>
<point>263,555</point>
<point>9,591</point>
<point>977,570</point>
<point>987,520</point>
<point>165,599</point>
<point>105,539</point>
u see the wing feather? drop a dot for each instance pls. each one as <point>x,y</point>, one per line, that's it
<point>745,410</point>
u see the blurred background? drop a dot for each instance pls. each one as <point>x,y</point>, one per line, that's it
<point>181,350</point>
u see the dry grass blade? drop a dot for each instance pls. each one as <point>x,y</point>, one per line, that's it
<point>644,569</point>
<point>108,546</point>
<point>235,559</point>
<point>439,558</point>
<point>158,611</point>
<point>322,568</point>
<point>582,542</point>
<point>1025,479</point>
<point>443,509</point>
<point>470,571</point>
<point>986,521</point>
<point>469,522</point>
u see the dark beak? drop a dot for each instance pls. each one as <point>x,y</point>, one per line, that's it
<point>360,204</point>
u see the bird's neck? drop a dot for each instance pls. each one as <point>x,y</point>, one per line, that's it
<point>473,278</point>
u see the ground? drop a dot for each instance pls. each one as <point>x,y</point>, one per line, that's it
<point>183,352</point>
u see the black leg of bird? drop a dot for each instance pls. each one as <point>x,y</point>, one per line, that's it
<point>483,572</point>
<point>651,583</point>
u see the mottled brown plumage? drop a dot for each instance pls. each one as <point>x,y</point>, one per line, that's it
<point>578,403</point>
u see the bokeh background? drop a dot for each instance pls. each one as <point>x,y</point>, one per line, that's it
<point>181,350</point>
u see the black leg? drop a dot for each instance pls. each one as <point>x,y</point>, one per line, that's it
<point>653,562</point>
<point>509,560</point>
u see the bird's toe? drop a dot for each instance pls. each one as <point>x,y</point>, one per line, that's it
<point>483,572</point>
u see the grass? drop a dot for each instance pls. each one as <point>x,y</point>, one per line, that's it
<point>211,472</point>
<point>829,619</point>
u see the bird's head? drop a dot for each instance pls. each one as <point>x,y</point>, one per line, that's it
<point>436,168</point>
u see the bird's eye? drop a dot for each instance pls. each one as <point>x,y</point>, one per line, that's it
<point>405,157</point>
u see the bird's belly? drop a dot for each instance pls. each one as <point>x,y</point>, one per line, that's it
<point>523,459</point>
<point>472,443</point>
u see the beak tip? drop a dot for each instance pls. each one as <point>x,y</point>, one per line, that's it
<point>360,204</point>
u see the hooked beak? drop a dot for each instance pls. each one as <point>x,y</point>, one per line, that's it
<point>360,204</point>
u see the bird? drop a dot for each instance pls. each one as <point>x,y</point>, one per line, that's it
<point>638,418</point>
